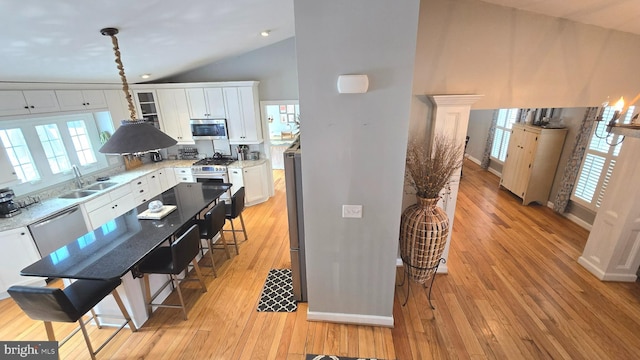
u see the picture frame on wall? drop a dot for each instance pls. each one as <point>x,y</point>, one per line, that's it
<point>290,109</point>
<point>283,109</point>
<point>283,118</point>
<point>291,118</point>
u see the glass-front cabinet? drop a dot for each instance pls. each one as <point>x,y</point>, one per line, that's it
<point>146,100</point>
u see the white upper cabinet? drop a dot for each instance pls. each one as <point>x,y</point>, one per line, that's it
<point>12,103</point>
<point>243,115</point>
<point>16,102</point>
<point>81,99</point>
<point>206,103</point>
<point>175,114</point>
<point>41,101</point>
<point>118,106</point>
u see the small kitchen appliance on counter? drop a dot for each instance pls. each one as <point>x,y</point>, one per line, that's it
<point>8,207</point>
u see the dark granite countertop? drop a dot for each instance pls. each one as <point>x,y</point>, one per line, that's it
<point>113,249</point>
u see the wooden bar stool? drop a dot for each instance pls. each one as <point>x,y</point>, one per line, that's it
<point>172,260</point>
<point>69,305</point>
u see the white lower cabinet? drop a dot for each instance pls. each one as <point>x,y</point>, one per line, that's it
<point>109,206</point>
<point>183,174</point>
<point>167,178</point>
<point>255,181</point>
<point>18,252</point>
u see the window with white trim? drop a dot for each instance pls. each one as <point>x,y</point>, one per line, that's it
<point>42,149</point>
<point>504,123</point>
<point>598,162</point>
<point>53,148</point>
<point>81,142</point>
<point>19,154</point>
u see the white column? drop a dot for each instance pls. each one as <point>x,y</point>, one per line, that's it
<point>612,252</point>
<point>451,118</point>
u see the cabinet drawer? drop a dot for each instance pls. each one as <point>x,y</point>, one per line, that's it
<point>120,192</point>
<point>97,203</point>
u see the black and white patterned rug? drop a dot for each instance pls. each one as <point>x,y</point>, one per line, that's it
<point>277,294</point>
<point>333,357</point>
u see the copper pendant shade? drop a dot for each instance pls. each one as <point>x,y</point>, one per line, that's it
<point>135,135</point>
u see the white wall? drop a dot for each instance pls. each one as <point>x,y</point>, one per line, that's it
<point>354,150</point>
<point>521,59</point>
<point>274,66</point>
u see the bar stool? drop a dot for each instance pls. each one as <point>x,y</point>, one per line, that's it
<point>69,305</point>
<point>172,260</point>
<point>233,211</point>
<point>211,225</point>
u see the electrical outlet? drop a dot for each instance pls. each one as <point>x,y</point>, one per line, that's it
<point>351,211</point>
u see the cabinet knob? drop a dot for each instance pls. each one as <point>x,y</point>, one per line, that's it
<point>22,233</point>
<point>26,107</point>
<point>33,107</point>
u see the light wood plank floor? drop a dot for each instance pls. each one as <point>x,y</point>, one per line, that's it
<point>514,291</point>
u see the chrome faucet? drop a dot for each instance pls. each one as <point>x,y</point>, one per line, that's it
<point>78,176</point>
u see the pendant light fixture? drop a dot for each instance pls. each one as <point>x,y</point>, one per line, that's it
<point>135,136</point>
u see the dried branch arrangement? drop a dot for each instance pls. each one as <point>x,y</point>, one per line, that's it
<point>430,168</point>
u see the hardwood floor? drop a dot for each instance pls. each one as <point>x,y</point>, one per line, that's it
<point>514,290</point>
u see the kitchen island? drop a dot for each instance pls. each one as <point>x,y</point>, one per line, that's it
<point>114,249</point>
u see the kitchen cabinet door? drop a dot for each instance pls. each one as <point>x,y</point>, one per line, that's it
<point>118,107</point>
<point>81,99</point>
<point>18,252</point>
<point>12,103</point>
<point>109,206</point>
<point>206,103</point>
<point>175,114</point>
<point>236,179</point>
<point>8,174</point>
<point>41,101</point>
<point>255,184</point>
<point>243,115</point>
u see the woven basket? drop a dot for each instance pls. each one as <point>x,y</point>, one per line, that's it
<point>424,228</point>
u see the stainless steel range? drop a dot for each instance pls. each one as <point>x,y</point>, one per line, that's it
<point>213,170</point>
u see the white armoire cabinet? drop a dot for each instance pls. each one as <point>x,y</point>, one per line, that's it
<point>531,163</point>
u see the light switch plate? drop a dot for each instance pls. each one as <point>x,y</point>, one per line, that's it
<point>352,211</point>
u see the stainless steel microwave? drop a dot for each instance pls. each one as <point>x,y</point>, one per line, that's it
<point>209,129</point>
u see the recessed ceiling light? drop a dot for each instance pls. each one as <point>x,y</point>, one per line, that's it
<point>145,76</point>
<point>265,33</point>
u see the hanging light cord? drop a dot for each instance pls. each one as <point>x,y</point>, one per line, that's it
<point>111,32</point>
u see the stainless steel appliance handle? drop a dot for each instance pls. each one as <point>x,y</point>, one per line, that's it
<point>57,216</point>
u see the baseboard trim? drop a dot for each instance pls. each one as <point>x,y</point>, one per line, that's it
<point>373,320</point>
<point>494,172</point>
<point>473,159</point>
<point>576,220</point>
<point>605,276</point>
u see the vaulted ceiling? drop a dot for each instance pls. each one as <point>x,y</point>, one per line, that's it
<point>59,41</point>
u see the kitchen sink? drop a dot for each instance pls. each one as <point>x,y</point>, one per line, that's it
<point>76,194</point>
<point>101,186</point>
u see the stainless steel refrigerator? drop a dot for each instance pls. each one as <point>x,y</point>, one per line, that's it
<point>293,180</point>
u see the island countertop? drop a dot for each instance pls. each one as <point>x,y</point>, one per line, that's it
<point>113,249</point>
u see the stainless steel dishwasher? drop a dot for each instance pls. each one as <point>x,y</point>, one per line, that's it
<point>57,230</point>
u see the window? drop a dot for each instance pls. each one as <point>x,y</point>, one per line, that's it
<point>43,149</point>
<point>598,163</point>
<point>506,119</point>
<point>53,148</point>
<point>19,154</point>
<point>81,142</point>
